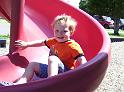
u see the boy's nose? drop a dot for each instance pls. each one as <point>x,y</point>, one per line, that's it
<point>61,32</point>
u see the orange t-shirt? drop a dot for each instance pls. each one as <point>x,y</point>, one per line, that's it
<point>67,51</point>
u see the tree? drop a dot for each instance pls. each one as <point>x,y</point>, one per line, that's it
<point>112,8</point>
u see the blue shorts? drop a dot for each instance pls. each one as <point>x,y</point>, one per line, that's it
<point>44,70</point>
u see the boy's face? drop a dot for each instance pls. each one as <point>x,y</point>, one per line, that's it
<point>61,32</point>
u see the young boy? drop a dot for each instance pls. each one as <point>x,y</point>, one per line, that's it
<point>64,52</point>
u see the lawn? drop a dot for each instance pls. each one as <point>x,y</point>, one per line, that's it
<point>111,33</point>
<point>4,36</point>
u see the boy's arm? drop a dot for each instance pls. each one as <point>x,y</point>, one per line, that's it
<point>81,60</point>
<point>36,43</point>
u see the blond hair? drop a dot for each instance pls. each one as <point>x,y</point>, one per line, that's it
<point>65,19</point>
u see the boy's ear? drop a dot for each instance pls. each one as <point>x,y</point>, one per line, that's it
<point>71,30</point>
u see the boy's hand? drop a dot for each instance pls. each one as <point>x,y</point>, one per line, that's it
<point>21,44</point>
<point>53,52</point>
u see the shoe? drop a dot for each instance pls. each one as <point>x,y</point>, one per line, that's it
<point>5,83</point>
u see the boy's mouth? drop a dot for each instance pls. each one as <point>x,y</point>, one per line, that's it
<point>60,37</point>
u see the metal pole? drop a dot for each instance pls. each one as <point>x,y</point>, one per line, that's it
<point>17,15</point>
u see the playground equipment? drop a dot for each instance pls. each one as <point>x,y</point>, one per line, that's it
<point>30,20</point>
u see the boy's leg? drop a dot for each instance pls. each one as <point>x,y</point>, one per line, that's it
<point>32,68</point>
<point>53,64</point>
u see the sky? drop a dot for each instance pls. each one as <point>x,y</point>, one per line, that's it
<point>4,28</point>
<point>74,3</point>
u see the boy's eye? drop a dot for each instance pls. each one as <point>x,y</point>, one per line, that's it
<point>57,30</point>
<point>65,31</point>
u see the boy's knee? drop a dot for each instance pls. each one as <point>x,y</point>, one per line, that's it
<point>33,64</point>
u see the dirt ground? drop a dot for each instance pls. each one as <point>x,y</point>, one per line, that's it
<point>114,78</point>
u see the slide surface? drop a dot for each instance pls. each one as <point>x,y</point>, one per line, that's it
<point>32,21</point>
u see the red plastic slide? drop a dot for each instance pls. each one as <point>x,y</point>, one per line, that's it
<point>31,20</point>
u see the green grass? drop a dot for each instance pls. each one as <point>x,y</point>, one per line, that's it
<point>3,21</point>
<point>4,36</point>
<point>111,33</point>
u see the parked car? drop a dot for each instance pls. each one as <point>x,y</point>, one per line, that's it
<point>105,21</point>
<point>121,27</point>
<point>121,24</point>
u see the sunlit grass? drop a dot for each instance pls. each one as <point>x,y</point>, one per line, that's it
<point>111,33</point>
<point>3,21</point>
<point>4,36</point>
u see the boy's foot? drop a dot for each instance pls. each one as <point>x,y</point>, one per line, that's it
<point>5,83</point>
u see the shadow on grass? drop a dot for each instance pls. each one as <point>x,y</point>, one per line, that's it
<point>117,39</point>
